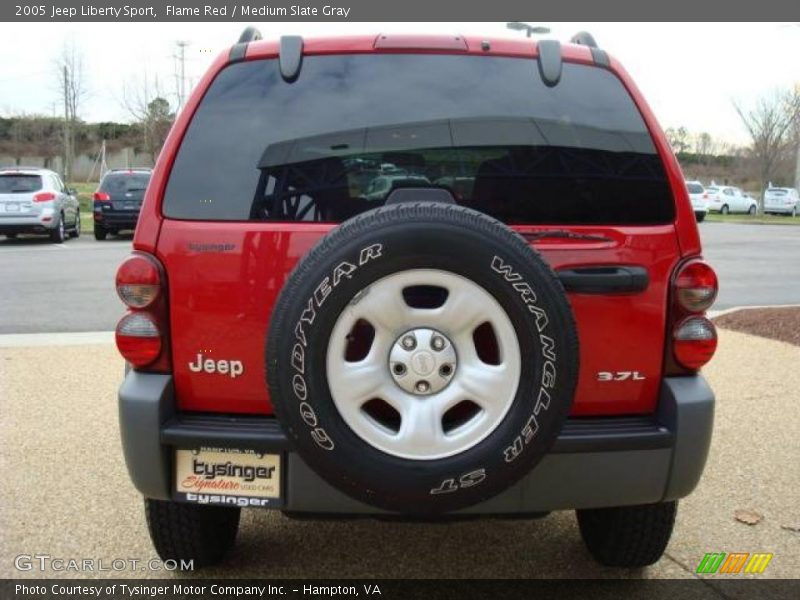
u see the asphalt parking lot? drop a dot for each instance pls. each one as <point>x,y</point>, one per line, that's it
<point>68,494</point>
<point>51,288</point>
<point>60,287</point>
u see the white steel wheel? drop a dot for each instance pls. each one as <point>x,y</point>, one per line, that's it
<point>423,387</point>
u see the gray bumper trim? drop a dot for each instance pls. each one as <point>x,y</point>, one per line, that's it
<point>146,401</point>
<point>594,463</point>
<point>686,407</point>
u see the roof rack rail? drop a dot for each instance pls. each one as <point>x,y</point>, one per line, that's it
<point>250,34</point>
<point>239,49</point>
<point>584,38</point>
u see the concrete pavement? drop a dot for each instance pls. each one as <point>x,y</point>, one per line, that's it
<point>68,494</point>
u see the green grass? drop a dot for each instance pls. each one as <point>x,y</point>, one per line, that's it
<point>87,222</point>
<point>85,191</point>
<point>753,220</point>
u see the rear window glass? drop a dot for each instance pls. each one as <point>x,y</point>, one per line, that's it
<point>19,184</point>
<point>712,189</point>
<point>694,188</point>
<point>777,192</point>
<point>353,128</point>
<point>122,183</point>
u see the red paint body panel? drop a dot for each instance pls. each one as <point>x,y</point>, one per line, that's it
<point>220,306</point>
<point>220,302</point>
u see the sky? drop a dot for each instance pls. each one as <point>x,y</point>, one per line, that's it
<point>690,73</point>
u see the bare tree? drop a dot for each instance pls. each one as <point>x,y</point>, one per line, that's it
<point>769,124</point>
<point>795,136</point>
<point>146,103</point>
<point>704,147</point>
<point>72,91</point>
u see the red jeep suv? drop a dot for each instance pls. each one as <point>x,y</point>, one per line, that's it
<point>408,275</point>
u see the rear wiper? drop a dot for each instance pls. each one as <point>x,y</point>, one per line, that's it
<point>563,234</point>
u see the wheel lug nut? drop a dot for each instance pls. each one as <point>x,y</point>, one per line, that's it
<point>399,369</point>
<point>422,387</point>
<point>437,343</point>
<point>409,342</point>
<point>445,370</point>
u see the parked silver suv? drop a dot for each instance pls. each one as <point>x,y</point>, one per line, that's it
<point>34,200</point>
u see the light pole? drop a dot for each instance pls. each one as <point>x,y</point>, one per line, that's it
<point>528,29</point>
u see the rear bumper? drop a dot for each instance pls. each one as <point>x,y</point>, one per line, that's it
<point>783,209</point>
<point>595,462</point>
<point>111,219</point>
<point>40,222</point>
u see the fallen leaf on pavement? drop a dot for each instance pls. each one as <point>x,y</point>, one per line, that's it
<point>749,517</point>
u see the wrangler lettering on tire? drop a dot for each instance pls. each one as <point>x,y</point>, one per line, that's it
<point>413,379</point>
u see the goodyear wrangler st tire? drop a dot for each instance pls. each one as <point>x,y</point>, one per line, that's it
<point>422,357</point>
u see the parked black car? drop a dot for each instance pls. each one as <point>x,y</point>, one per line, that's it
<point>118,200</point>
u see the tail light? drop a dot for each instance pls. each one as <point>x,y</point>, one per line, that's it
<point>101,197</point>
<point>705,196</point>
<point>692,337</point>
<point>695,287</point>
<point>142,334</point>
<point>694,342</point>
<point>138,281</point>
<point>44,197</point>
<point>138,339</point>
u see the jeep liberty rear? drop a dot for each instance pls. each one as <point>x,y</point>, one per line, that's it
<point>416,275</point>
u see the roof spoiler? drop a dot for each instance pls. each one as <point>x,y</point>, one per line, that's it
<point>290,57</point>
<point>550,62</point>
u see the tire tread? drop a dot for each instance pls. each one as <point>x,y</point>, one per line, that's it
<point>191,532</point>
<point>628,536</point>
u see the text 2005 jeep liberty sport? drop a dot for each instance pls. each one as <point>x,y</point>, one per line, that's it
<point>416,276</point>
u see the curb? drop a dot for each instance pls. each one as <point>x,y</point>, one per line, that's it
<point>82,338</point>
<point>713,314</point>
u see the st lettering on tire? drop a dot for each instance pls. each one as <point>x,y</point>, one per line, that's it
<point>422,357</point>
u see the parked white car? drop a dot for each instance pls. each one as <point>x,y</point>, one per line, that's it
<point>699,198</point>
<point>726,199</point>
<point>781,201</point>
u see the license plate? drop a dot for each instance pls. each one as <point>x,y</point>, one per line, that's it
<point>228,477</point>
<point>129,206</point>
<point>12,207</point>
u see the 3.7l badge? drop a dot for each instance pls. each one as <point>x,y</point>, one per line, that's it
<point>620,376</point>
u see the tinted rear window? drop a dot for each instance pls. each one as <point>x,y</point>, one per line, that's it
<point>124,183</point>
<point>694,188</point>
<point>19,184</point>
<point>354,127</point>
<point>777,192</point>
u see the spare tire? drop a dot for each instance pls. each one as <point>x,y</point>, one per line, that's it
<point>422,357</point>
